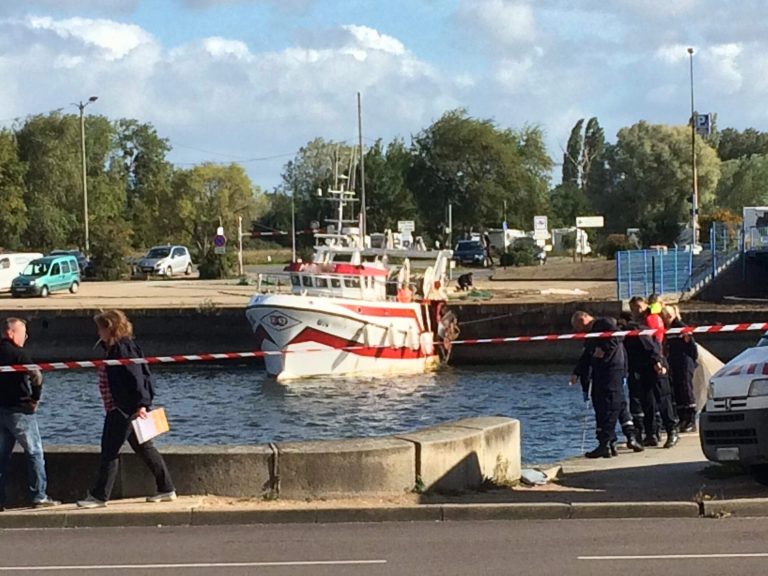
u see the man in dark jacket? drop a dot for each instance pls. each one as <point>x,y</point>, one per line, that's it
<point>19,396</point>
<point>604,359</point>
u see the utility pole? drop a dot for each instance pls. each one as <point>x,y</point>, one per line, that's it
<point>362,168</point>
<point>81,106</point>
<point>695,184</point>
<point>240,245</point>
<point>293,228</point>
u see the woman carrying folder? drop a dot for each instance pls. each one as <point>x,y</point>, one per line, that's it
<point>127,393</point>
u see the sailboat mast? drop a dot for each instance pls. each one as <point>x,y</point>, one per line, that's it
<point>362,166</point>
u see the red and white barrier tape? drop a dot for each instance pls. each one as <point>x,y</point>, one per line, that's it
<point>178,359</point>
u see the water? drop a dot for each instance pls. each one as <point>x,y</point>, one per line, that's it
<point>241,405</point>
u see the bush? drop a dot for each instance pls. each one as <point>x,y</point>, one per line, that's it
<point>214,265</point>
<point>521,254</point>
<point>614,243</point>
<point>109,248</point>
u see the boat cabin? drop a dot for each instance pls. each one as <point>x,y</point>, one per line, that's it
<point>340,280</point>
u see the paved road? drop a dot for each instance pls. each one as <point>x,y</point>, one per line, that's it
<point>593,547</point>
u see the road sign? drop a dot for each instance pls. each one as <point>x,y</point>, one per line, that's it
<point>219,241</point>
<point>590,222</point>
<point>540,224</point>
<point>219,250</point>
<point>406,226</point>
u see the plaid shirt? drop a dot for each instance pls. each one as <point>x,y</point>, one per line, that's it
<point>106,395</point>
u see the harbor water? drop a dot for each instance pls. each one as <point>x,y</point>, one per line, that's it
<point>228,404</point>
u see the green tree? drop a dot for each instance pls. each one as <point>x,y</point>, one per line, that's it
<point>572,155</point>
<point>744,182</point>
<point>651,166</point>
<point>208,196</point>
<point>13,216</point>
<point>567,201</point>
<point>388,198</point>
<point>476,167</point>
<point>148,177</point>
<point>733,144</point>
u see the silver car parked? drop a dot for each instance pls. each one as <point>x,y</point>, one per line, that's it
<point>165,261</point>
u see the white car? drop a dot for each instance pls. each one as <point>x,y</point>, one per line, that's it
<point>166,261</point>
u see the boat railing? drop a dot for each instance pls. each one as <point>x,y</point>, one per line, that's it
<point>330,284</point>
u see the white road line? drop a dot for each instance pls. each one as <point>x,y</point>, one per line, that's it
<point>676,556</point>
<point>197,565</point>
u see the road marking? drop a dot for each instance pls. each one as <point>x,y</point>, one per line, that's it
<point>197,565</point>
<point>676,556</point>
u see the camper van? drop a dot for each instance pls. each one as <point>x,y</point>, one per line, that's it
<point>12,264</point>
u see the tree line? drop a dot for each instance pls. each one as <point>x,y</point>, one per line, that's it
<point>486,173</point>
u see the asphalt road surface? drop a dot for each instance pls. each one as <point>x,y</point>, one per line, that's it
<point>700,547</point>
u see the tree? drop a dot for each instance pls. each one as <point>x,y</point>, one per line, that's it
<point>572,156</point>
<point>567,201</point>
<point>476,167</point>
<point>744,182</point>
<point>148,177</point>
<point>593,165</point>
<point>733,144</point>
<point>208,196</point>
<point>651,168</point>
<point>388,198</point>
<point>13,216</point>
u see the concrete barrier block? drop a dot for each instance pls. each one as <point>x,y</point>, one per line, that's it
<point>238,471</point>
<point>743,507</point>
<point>340,468</point>
<point>447,457</point>
<point>71,470</point>
<point>500,459</point>
<point>31,520</point>
<point>101,518</point>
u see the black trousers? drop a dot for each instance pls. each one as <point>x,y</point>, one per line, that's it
<point>607,399</point>
<point>637,402</point>
<point>118,429</point>
<point>658,398</point>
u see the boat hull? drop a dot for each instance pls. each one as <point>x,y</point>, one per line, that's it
<point>304,336</point>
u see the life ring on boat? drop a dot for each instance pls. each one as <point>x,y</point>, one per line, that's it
<point>404,295</point>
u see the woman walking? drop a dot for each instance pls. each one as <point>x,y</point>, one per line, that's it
<point>127,393</point>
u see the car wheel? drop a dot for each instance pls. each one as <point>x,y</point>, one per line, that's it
<point>169,272</point>
<point>44,291</point>
<point>15,294</point>
<point>74,288</point>
<point>188,271</point>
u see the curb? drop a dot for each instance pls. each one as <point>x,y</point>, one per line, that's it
<point>194,516</point>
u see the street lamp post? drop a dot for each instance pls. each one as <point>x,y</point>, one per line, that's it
<point>81,106</point>
<point>695,184</point>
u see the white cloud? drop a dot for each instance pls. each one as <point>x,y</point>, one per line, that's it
<point>502,23</point>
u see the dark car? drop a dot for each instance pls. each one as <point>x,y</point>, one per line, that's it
<point>469,252</point>
<point>82,259</point>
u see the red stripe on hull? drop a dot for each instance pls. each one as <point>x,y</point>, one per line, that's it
<point>381,311</point>
<point>317,337</point>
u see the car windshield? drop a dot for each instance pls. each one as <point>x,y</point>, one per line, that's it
<point>36,269</point>
<point>764,340</point>
<point>467,245</point>
<point>159,253</point>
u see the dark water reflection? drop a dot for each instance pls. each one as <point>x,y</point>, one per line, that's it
<point>240,405</point>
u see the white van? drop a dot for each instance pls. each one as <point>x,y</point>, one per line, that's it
<point>12,264</point>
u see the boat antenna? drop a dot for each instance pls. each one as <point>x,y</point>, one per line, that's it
<point>362,166</point>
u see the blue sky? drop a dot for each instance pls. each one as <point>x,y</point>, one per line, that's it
<point>253,80</point>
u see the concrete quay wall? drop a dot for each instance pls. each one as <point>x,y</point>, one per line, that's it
<point>454,456</point>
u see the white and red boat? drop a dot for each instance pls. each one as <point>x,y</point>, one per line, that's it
<point>346,316</point>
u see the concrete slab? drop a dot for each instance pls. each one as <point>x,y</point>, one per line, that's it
<point>447,457</point>
<point>235,516</point>
<point>742,507</point>
<point>339,468</point>
<point>511,511</point>
<point>583,510</point>
<point>381,514</point>
<point>120,518</point>
<point>500,459</point>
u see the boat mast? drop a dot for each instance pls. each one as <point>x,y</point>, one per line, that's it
<point>362,167</point>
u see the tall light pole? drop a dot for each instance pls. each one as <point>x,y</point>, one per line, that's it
<point>81,106</point>
<point>695,183</point>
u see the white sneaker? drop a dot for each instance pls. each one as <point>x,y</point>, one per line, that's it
<point>163,497</point>
<point>91,502</point>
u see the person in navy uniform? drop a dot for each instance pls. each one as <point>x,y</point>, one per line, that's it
<point>605,360</point>
<point>682,355</point>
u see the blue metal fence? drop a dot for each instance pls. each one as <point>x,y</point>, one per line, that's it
<point>644,272</point>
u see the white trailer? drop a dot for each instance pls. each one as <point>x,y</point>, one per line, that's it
<point>12,264</point>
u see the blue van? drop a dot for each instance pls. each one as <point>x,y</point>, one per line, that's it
<point>45,275</point>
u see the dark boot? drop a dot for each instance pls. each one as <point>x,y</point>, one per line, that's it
<point>672,438</point>
<point>633,444</point>
<point>602,451</point>
<point>651,441</point>
<point>687,420</point>
<point>612,446</point>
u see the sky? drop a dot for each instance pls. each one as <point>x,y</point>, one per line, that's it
<point>251,81</point>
